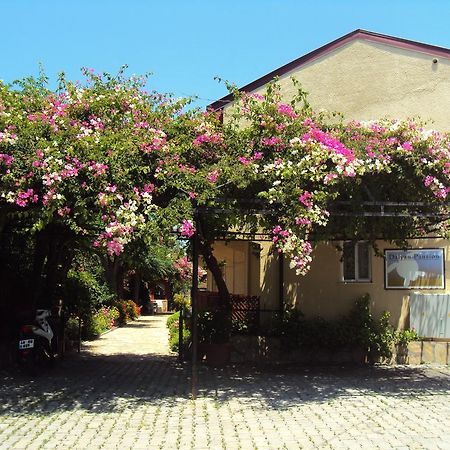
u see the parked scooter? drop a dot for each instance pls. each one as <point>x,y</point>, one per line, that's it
<point>37,343</point>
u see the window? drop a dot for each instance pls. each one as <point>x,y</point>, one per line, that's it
<point>356,261</point>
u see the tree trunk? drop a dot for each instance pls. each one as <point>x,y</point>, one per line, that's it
<point>52,257</point>
<point>213,266</point>
<point>40,254</point>
<point>111,269</point>
<point>136,286</point>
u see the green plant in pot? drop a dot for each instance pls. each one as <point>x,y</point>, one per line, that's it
<point>214,334</point>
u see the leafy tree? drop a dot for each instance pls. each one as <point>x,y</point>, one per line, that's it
<point>112,166</point>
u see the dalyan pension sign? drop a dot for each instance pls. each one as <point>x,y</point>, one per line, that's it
<point>414,269</point>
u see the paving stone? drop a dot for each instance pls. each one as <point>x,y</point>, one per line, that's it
<point>127,391</point>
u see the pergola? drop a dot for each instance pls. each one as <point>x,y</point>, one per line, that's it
<point>383,209</point>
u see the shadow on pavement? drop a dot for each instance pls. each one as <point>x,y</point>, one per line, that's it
<point>118,382</point>
<point>282,387</point>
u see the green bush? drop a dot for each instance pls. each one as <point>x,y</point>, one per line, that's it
<point>84,292</point>
<point>358,329</point>
<point>71,329</point>
<point>100,321</point>
<point>128,310</point>
<point>173,325</point>
<point>404,337</point>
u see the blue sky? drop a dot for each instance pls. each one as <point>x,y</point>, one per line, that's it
<point>186,43</point>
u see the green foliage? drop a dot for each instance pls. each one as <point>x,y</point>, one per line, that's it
<point>382,338</point>
<point>128,310</point>
<point>85,290</point>
<point>173,322</point>
<point>358,329</point>
<point>100,321</point>
<point>214,327</point>
<point>108,166</point>
<point>72,329</point>
<point>404,337</point>
<point>181,301</point>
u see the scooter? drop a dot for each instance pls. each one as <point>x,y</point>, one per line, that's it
<point>37,343</point>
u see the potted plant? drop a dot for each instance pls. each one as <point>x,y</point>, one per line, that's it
<point>214,332</point>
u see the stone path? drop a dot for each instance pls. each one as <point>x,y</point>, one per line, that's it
<point>126,391</point>
<point>146,336</point>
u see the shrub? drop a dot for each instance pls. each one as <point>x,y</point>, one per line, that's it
<point>404,337</point>
<point>128,310</point>
<point>181,301</point>
<point>214,327</point>
<point>357,329</point>
<point>84,292</point>
<point>71,329</point>
<point>100,321</point>
<point>173,322</point>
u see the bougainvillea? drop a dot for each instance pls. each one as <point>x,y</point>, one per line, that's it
<point>112,162</point>
<point>306,167</point>
<point>86,156</point>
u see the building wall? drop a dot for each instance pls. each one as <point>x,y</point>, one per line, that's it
<point>322,292</point>
<point>234,257</point>
<point>366,80</point>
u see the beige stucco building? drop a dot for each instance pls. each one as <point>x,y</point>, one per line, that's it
<point>365,76</point>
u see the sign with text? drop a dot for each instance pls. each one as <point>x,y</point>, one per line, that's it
<point>414,269</point>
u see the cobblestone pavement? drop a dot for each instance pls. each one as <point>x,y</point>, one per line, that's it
<point>126,391</point>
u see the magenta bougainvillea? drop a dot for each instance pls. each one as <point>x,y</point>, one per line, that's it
<point>114,163</point>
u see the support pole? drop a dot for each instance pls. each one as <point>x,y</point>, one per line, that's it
<point>79,333</point>
<point>180,334</point>
<point>281,283</point>
<point>194,298</point>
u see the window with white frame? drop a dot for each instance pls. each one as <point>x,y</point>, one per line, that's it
<point>356,262</point>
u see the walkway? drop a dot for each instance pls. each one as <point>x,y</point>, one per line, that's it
<point>126,392</point>
<point>146,336</point>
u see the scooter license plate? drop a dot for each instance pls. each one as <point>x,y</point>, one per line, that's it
<point>26,343</point>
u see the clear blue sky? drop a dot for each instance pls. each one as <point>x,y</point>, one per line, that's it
<point>186,43</point>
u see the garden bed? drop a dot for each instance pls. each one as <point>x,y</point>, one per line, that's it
<point>264,349</point>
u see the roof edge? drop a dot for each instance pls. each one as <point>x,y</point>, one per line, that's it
<point>317,53</point>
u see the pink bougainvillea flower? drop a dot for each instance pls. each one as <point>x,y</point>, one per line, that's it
<point>286,110</point>
<point>302,221</point>
<point>64,211</point>
<point>407,146</point>
<point>273,141</point>
<point>213,176</point>
<point>329,141</point>
<point>207,138</point>
<point>148,188</point>
<point>305,199</point>
<point>329,177</point>
<point>6,159</point>
<point>187,229</point>
<point>428,180</point>
<point>244,160</point>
